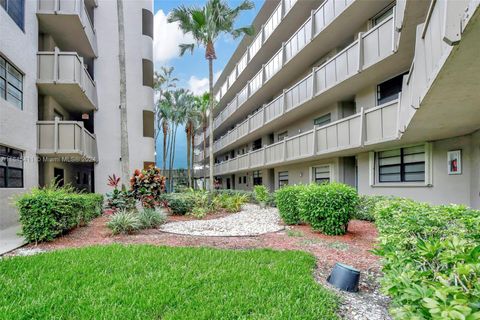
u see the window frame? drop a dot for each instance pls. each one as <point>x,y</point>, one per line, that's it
<point>281,178</point>
<point>322,123</point>
<point>20,24</point>
<point>382,14</point>
<point>4,164</point>
<point>257,176</point>
<point>5,92</point>
<point>313,173</point>
<point>282,135</point>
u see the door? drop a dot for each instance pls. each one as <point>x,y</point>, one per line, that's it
<point>59,175</point>
<point>228,183</point>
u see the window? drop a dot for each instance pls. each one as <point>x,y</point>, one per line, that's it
<point>282,178</point>
<point>16,11</point>
<point>11,168</point>
<point>147,66</point>
<point>257,178</point>
<point>389,90</point>
<point>402,165</point>
<point>239,180</point>
<point>257,144</point>
<point>11,84</point>
<point>323,120</point>
<point>321,174</point>
<point>382,15</point>
<point>147,23</point>
<point>244,179</point>
<point>148,123</point>
<point>59,176</point>
<point>282,135</point>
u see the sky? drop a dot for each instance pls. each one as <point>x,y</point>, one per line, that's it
<point>191,69</point>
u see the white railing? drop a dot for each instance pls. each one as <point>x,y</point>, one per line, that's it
<point>66,138</point>
<point>69,7</point>
<point>372,46</point>
<point>435,38</point>
<point>375,125</point>
<point>263,34</point>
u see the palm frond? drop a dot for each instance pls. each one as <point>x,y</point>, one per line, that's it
<point>184,47</point>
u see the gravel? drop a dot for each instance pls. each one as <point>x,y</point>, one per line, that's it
<point>250,221</point>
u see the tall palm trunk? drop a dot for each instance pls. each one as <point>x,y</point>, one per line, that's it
<point>204,182</point>
<point>165,134</point>
<point>124,152</point>
<point>193,160</point>
<point>210,120</point>
<point>189,138</point>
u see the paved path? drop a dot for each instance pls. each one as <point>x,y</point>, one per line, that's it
<point>249,222</point>
<point>9,239</point>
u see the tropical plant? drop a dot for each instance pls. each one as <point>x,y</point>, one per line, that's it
<point>120,200</point>
<point>286,199</point>
<point>124,222</point>
<point>261,194</point>
<point>151,218</point>
<point>113,181</point>
<point>202,103</point>
<point>148,186</point>
<point>206,24</point>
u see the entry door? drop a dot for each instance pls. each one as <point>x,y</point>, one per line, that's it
<point>59,175</point>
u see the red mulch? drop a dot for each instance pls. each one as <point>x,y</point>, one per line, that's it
<point>352,248</point>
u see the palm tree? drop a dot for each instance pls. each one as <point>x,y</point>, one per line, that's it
<point>202,105</point>
<point>191,118</point>
<point>206,24</point>
<point>163,81</point>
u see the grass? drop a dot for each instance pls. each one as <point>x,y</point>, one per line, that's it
<point>148,282</point>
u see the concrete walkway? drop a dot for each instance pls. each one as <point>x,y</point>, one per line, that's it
<point>9,239</point>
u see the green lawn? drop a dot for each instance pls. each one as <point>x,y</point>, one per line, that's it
<point>148,282</point>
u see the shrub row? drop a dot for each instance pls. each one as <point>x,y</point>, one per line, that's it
<point>49,212</point>
<point>365,209</point>
<point>431,259</point>
<point>326,207</point>
<point>126,222</point>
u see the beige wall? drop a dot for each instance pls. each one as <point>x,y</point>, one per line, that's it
<point>71,170</point>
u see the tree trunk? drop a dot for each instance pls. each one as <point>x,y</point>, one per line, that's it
<point>210,120</point>
<point>124,152</point>
<point>165,134</point>
<point>189,137</point>
<point>204,182</point>
<point>192,161</point>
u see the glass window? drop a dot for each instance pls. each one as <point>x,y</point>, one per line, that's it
<point>11,84</point>
<point>257,144</point>
<point>257,178</point>
<point>239,180</point>
<point>16,10</point>
<point>11,168</point>
<point>282,178</point>
<point>321,174</point>
<point>382,15</point>
<point>389,90</point>
<point>402,165</point>
<point>323,120</point>
<point>244,179</point>
<point>283,135</point>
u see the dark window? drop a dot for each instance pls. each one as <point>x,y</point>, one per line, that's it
<point>147,66</point>
<point>148,123</point>
<point>257,178</point>
<point>244,179</point>
<point>283,135</point>
<point>321,174</point>
<point>402,165</point>
<point>282,178</point>
<point>382,15</point>
<point>59,175</point>
<point>16,11</point>
<point>239,180</point>
<point>257,144</point>
<point>11,84</point>
<point>147,23</point>
<point>389,90</point>
<point>323,120</point>
<point>11,168</point>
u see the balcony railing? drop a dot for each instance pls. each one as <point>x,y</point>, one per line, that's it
<point>368,127</point>
<point>267,29</point>
<point>66,139</point>
<point>369,49</point>
<point>64,76</point>
<point>319,19</point>
<point>70,25</point>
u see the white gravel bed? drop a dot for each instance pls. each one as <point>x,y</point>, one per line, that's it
<point>250,221</point>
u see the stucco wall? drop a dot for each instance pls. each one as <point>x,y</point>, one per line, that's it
<point>17,126</point>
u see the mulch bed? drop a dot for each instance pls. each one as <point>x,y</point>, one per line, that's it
<point>352,248</point>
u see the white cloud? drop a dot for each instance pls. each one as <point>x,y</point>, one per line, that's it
<point>166,38</point>
<point>200,85</point>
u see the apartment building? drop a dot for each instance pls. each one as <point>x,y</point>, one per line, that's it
<point>60,94</point>
<point>379,95</point>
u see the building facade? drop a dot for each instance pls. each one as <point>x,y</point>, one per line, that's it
<point>379,95</point>
<point>60,94</point>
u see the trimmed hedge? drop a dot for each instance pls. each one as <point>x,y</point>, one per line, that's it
<point>431,259</point>
<point>327,207</point>
<point>366,207</point>
<point>47,213</point>
<point>179,203</point>
<point>286,199</point>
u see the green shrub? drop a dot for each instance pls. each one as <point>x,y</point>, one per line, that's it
<point>286,199</point>
<point>250,196</point>
<point>120,200</point>
<point>261,193</point>
<point>199,212</point>
<point>49,212</point>
<point>124,222</point>
<point>231,203</point>
<point>327,207</point>
<point>431,259</point>
<point>151,218</point>
<point>180,203</point>
<point>365,209</point>
<point>147,186</point>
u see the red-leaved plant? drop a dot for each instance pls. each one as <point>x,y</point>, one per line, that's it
<point>147,186</point>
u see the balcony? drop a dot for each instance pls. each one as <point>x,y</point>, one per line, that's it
<point>369,49</point>
<point>68,22</point>
<point>63,76</point>
<point>345,136</point>
<point>66,139</point>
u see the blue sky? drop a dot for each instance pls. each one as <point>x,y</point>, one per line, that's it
<point>192,70</point>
